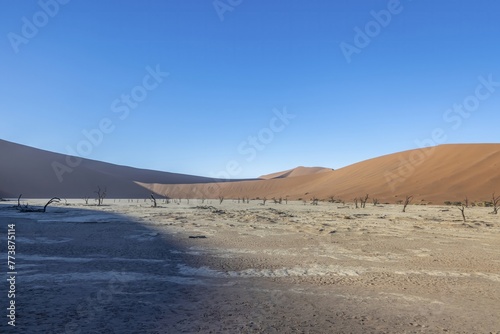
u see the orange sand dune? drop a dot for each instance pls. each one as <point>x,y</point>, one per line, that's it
<point>298,171</point>
<point>448,172</point>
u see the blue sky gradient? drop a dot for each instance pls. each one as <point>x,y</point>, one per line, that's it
<point>228,77</point>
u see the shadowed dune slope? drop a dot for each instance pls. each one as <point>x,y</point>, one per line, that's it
<point>30,171</point>
<point>436,174</point>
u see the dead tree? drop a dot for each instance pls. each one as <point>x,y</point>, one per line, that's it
<point>101,195</point>
<point>264,201</point>
<point>466,201</point>
<point>52,200</point>
<point>356,202</point>
<point>375,201</point>
<point>494,202</point>
<point>153,199</point>
<point>314,201</point>
<point>19,201</point>
<point>221,199</point>
<point>277,200</point>
<point>364,200</point>
<point>86,199</point>
<point>462,210</point>
<point>26,208</point>
<point>407,201</point>
<point>331,199</point>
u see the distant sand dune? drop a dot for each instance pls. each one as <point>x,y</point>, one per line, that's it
<point>299,171</point>
<point>446,172</point>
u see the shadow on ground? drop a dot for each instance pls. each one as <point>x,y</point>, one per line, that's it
<point>87,271</point>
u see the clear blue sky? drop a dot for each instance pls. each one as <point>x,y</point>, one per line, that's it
<point>226,76</point>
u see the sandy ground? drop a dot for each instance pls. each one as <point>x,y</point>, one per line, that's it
<point>290,268</point>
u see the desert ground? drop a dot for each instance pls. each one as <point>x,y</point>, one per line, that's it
<point>206,267</point>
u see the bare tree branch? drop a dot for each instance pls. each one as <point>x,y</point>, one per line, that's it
<point>407,201</point>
